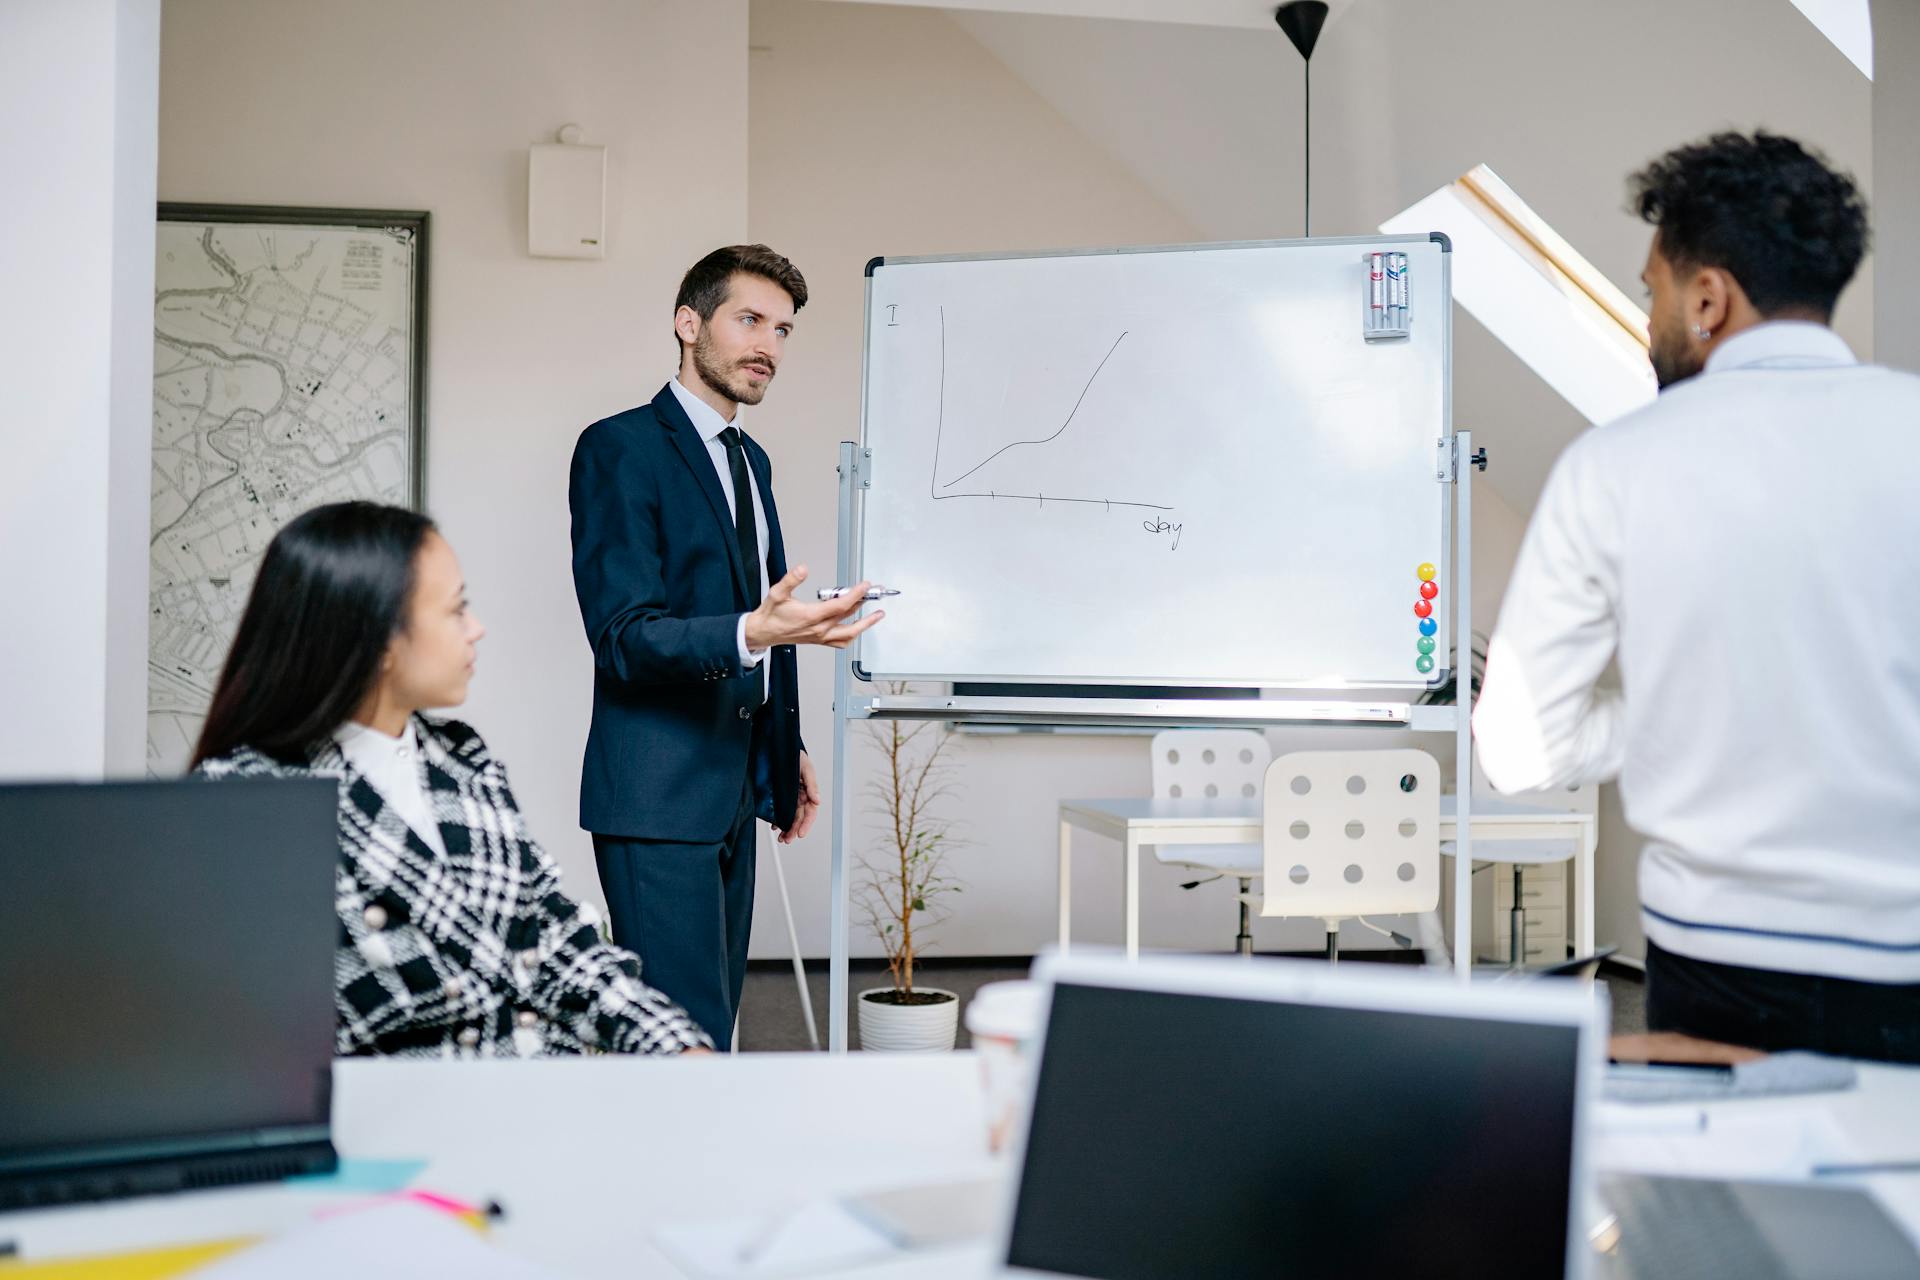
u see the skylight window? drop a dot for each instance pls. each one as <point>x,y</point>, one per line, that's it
<point>1537,295</point>
<point>1848,24</point>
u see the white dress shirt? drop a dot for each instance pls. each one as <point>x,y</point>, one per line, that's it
<point>393,766</point>
<point>708,422</point>
<point>1748,546</point>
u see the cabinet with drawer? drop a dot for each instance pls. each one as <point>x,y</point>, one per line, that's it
<point>1544,902</point>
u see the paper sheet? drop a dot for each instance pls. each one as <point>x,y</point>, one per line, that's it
<point>816,1236</point>
<point>1724,1143</point>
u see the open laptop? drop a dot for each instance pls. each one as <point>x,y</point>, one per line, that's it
<point>166,985</point>
<point>1219,1118</point>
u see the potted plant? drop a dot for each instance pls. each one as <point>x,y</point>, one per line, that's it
<point>904,884</point>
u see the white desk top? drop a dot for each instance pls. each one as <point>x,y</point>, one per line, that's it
<point>1143,812</point>
<point>589,1156</point>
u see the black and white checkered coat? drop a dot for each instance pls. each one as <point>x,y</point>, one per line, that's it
<point>478,953</point>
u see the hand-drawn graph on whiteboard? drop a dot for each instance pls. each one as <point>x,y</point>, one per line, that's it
<point>943,489</point>
<point>1158,466</point>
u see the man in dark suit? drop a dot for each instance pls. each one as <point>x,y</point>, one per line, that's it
<point>683,584</point>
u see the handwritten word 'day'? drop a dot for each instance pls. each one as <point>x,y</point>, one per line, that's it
<point>1161,526</point>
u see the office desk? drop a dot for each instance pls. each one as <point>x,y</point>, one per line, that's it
<point>589,1156</point>
<point>1137,822</point>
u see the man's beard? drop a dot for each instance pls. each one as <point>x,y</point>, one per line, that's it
<point>731,383</point>
<point>1673,362</point>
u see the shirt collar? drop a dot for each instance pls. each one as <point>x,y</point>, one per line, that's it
<point>365,740</point>
<point>1781,344</point>
<point>705,418</point>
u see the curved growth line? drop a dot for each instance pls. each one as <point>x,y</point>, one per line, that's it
<point>1063,426</point>
<point>940,424</point>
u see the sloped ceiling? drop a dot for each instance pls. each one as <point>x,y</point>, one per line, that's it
<point>1562,98</point>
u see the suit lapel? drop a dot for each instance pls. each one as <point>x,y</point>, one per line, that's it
<point>694,451</point>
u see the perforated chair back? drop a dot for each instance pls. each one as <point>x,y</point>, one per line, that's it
<point>1350,833</point>
<point>1210,764</point>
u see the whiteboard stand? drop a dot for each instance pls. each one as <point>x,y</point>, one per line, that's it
<point>851,703</point>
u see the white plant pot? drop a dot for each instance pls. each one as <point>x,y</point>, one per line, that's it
<point>909,1028</point>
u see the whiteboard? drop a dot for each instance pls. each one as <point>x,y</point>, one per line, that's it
<point>1180,465</point>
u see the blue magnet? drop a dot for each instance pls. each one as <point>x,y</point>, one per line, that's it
<point>1428,626</point>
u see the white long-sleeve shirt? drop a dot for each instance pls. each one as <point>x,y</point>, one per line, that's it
<point>1749,548</point>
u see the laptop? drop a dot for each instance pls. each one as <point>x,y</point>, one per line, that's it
<point>1220,1118</point>
<point>166,985</point>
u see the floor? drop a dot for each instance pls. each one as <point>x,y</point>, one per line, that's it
<point>772,1019</point>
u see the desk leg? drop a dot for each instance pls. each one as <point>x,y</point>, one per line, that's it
<point>1130,896</point>
<point>1066,884</point>
<point>1583,919</point>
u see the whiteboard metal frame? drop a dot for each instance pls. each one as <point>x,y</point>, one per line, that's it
<point>853,572</point>
<point>1453,469</point>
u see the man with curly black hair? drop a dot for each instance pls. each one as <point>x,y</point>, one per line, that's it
<point>1746,547</point>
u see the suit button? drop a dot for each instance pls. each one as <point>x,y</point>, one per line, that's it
<point>746,714</point>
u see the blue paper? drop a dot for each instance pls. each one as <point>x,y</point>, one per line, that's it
<point>372,1177</point>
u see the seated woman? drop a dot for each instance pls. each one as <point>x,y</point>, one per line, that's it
<point>456,938</point>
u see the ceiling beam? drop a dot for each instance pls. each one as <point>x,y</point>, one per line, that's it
<point>1201,13</point>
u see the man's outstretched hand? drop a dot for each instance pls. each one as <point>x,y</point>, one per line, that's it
<point>781,619</point>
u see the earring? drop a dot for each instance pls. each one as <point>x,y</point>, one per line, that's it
<point>1702,332</point>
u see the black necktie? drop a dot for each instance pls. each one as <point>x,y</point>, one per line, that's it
<point>746,533</point>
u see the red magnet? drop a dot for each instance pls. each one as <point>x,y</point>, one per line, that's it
<point>1421,608</point>
<point>1428,590</point>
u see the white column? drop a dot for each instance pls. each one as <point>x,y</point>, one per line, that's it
<point>1896,184</point>
<point>79,107</point>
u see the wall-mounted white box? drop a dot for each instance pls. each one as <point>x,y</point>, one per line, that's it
<point>566,200</point>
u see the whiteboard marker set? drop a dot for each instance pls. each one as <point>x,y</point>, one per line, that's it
<point>1388,300</point>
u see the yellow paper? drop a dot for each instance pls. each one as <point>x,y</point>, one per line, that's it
<point>146,1264</point>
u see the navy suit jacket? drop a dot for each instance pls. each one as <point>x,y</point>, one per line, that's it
<point>679,728</point>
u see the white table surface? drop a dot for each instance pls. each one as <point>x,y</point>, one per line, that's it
<point>589,1156</point>
<point>1142,821</point>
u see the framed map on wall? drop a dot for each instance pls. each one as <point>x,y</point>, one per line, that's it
<point>289,362</point>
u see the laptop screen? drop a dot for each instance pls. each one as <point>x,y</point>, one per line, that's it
<point>1202,1135</point>
<point>168,957</point>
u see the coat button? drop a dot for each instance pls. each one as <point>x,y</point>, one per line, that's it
<point>375,915</point>
<point>528,1019</point>
<point>470,1037</point>
<point>746,714</point>
<point>451,988</point>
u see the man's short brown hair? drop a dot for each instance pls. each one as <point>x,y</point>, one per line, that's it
<point>705,285</point>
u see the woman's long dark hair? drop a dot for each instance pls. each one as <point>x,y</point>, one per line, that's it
<point>332,592</point>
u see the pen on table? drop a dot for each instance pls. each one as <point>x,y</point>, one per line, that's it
<point>1884,1166</point>
<point>873,593</point>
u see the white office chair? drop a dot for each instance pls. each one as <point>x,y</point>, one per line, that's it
<point>1351,833</point>
<point>1213,764</point>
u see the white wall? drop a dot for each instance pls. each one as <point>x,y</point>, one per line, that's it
<point>78,87</point>
<point>431,104</point>
<point>1896,186</point>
